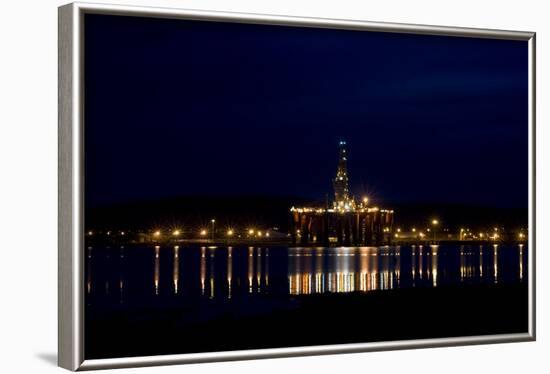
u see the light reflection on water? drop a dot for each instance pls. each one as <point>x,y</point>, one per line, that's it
<point>187,273</point>
<point>322,270</point>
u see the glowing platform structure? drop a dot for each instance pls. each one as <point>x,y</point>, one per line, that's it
<point>347,222</point>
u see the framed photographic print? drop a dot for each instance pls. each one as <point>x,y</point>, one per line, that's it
<point>237,186</point>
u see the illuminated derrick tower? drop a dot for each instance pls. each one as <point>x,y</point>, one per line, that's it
<point>347,222</point>
<point>340,183</point>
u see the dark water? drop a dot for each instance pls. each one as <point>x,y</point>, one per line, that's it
<point>142,275</point>
<point>165,300</point>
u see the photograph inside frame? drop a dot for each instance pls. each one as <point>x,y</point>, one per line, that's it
<point>253,186</point>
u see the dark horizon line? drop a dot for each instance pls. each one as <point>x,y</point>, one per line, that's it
<point>384,203</point>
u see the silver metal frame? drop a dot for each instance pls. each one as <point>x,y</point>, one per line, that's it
<point>71,185</point>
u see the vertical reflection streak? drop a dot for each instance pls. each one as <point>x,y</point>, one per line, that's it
<point>212,261</point>
<point>121,275</point>
<point>229,270</point>
<point>250,268</point>
<point>398,266</point>
<point>156,276</point>
<point>495,265</point>
<point>203,270</point>
<point>481,262</point>
<point>363,271</point>
<point>375,268</point>
<point>462,264</point>
<point>413,264</point>
<point>176,270</point>
<point>89,268</point>
<point>259,269</point>
<point>266,273</point>
<point>420,261</point>
<point>319,276</point>
<point>434,264</point>
<point>521,262</point>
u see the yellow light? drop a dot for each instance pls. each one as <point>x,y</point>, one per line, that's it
<point>398,230</point>
<point>156,233</point>
<point>203,232</point>
<point>176,232</point>
<point>481,235</point>
<point>259,233</point>
<point>435,222</point>
<point>365,200</point>
<point>213,221</point>
<point>413,229</point>
<point>229,232</point>
<point>250,232</point>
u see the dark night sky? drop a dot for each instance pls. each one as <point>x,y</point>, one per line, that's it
<point>177,108</point>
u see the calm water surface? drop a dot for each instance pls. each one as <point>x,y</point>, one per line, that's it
<point>168,275</point>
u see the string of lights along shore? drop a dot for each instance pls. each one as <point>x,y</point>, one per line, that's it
<point>346,221</point>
